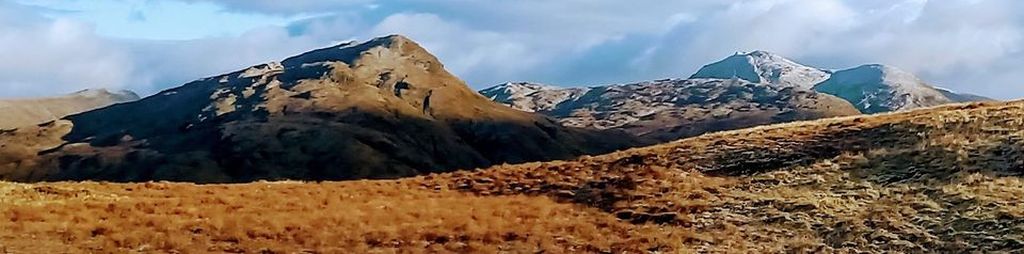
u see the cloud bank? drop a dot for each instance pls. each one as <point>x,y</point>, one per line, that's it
<point>966,45</point>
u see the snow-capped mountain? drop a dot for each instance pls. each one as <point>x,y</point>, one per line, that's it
<point>872,88</point>
<point>532,97</point>
<point>664,110</point>
<point>764,67</point>
<point>876,88</point>
<point>742,90</point>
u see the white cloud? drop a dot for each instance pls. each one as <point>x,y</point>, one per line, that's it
<point>289,7</point>
<point>791,28</point>
<point>943,41</point>
<point>56,56</point>
<point>967,45</point>
<point>478,54</point>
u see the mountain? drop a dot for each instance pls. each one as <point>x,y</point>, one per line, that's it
<point>665,110</point>
<point>872,88</point>
<point>381,109</point>
<point>763,67</point>
<point>532,97</point>
<point>876,88</point>
<point>22,112</point>
<point>937,180</point>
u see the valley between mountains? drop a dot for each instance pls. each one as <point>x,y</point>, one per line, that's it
<point>374,147</point>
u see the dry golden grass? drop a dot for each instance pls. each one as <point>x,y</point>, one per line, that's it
<point>353,217</point>
<point>945,180</point>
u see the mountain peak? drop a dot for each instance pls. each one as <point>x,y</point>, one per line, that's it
<point>761,66</point>
<point>762,54</point>
<point>395,38</point>
<point>880,73</point>
<point>875,88</point>
<point>531,97</point>
<point>520,87</point>
<point>348,52</point>
<point>125,95</point>
<point>378,109</point>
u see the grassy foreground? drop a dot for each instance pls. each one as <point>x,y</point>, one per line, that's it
<point>944,179</point>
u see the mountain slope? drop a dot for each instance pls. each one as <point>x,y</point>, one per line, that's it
<point>878,88</point>
<point>763,67</point>
<point>938,180</point>
<point>23,112</point>
<point>532,97</point>
<point>666,110</point>
<point>384,108</point>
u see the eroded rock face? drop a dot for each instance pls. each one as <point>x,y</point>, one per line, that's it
<point>665,110</point>
<point>25,112</point>
<point>384,108</point>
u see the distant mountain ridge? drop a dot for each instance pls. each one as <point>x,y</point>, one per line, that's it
<point>869,88</point>
<point>873,88</point>
<point>533,97</point>
<point>742,90</point>
<point>665,110</point>
<point>876,88</point>
<point>31,111</point>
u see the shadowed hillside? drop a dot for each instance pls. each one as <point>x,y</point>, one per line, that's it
<point>945,180</point>
<point>381,109</point>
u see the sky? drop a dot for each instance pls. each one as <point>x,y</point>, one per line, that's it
<point>50,47</point>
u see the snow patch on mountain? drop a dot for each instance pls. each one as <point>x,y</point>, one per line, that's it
<point>875,88</point>
<point>764,67</point>
<point>670,109</point>
<point>532,97</point>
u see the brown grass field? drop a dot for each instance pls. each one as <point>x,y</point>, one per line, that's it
<point>945,179</point>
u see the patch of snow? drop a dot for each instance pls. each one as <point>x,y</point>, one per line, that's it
<point>764,67</point>
<point>875,88</point>
<point>532,97</point>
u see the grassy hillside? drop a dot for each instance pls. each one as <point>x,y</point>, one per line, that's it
<point>943,179</point>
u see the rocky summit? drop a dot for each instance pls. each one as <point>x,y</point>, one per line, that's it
<point>380,109</point>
